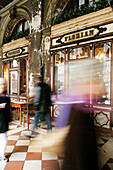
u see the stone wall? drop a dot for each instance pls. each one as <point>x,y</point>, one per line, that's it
<point>39,14</point>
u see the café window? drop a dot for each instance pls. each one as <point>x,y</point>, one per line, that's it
<point>59,71</point>
<point>17,81</point>
<point>78,53</point>
<point>102,52</point>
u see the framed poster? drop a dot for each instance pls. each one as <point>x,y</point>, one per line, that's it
<point>14,82</point>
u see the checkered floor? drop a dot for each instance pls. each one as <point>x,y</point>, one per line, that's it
<point>23,156</point>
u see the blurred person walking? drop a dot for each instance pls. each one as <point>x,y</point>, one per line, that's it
<point>80,144</point>
<point>42,102</point>
<point>4,118</point>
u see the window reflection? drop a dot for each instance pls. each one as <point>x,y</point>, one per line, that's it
<point>14,82</point>
<point>19,29</point>
<point>103,54</point>
<point>77,53</point>
<point>26,26</point>
<point>14,63</point>
<point>59,72</point>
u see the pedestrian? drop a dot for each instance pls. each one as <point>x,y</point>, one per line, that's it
<point>80,144</point>
<point>4,118</point>
<point>42,103</point>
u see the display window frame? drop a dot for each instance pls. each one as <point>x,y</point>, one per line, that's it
<point>18,70</point>
<point>91,48</point>
<point>111,72</point>
<point>63,51</point>
<point>80,46</point>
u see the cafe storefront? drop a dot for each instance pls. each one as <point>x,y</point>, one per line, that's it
<point>15,68</point>
<point>89,36</point>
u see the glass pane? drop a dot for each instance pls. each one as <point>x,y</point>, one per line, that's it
<point>77,53</point>
<point>79,77</point>
<point>26,26</point>
<point>19,29</point>
<point>91,2</point>
<point>59,72</point>
<point>14,63</point>
<point>6,72</point>
<point>81,2</point>
<point>103,54</point>
<point>13,82</point>
<point>23,77</point>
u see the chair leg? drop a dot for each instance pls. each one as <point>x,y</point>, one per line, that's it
<point>23,121</point>
<point>15,113</point>
<point>28,122</point>
<point>18,114</point>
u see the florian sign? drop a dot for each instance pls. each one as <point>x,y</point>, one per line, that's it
<point>80,35</point>
<point>14,52</point>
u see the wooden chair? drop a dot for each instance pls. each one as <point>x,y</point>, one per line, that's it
<point>28,113</point>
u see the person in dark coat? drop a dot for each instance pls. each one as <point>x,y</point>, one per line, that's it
<point>42,103</point>
<point>80,143</point>
<point>4,118</point>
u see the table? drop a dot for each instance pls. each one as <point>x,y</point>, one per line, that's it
<point>19,105</point>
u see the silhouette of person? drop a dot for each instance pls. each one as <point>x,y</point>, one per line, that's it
<point>4,118</point>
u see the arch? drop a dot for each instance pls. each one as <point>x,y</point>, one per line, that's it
<point>10,23</point>
<point>54,7</point>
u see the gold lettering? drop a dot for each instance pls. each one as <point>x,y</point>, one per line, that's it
<point>73,36</point>
<point>86,34</point>
<point>77,35</point>
<point>82,34</point>
<point>14,52</point>
<point>69,37</point>
<point>91,32</point>
<point>65,38</point>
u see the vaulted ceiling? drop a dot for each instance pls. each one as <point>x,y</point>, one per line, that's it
<point>3,3</point>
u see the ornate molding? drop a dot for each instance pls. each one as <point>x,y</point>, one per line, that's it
<point>13,12</point>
